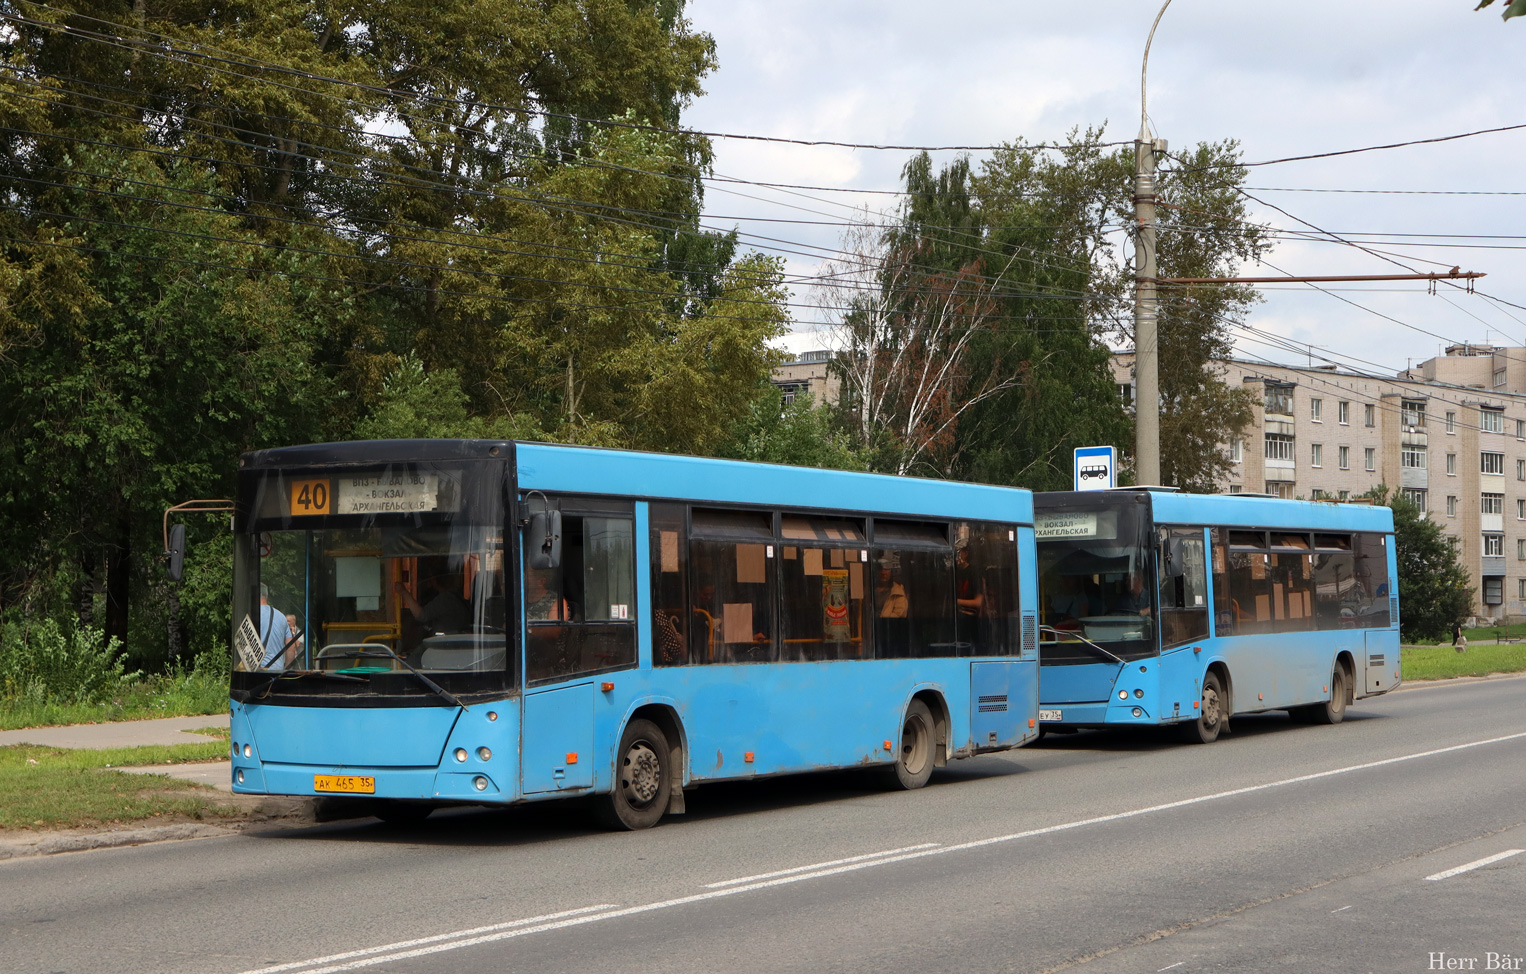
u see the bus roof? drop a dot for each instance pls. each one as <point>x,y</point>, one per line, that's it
<point>1175,507</point>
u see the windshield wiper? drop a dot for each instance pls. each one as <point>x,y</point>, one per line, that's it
<point>1081,638</point>
<point>383,652</point>
<point>263,690</point>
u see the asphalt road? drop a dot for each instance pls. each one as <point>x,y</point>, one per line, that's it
<point>1279,848</point>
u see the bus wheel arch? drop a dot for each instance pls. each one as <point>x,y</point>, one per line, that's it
<point>916,746</point>
<point>1213,710</point>
<point>641,785</point>
<point>666,719</point>
<point>938,707</point>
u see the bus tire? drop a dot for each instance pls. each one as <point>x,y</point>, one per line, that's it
<point>919,747</point>
<point>639,793</point>
<point>1332,711</point>
<point>1205,730</point>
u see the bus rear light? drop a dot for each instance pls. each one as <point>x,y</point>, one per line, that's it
<point>572,757</point>
<point>461,754</point>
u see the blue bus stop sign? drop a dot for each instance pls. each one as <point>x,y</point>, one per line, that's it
<point>1096,468</point>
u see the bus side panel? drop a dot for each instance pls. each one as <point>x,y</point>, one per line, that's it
<point>1380,661</point>
<point>1077,683</point>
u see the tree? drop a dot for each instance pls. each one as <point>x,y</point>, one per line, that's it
<point>1434,592</point>
<point>1517,8</point>
<point>800,432</point>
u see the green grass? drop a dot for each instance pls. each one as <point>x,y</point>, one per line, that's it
<point>1492,633</point>
<point>55,788</point>
<point>1443,662</point>
<point>159,696</point>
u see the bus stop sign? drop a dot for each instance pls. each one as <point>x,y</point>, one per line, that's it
<point>1096,468</point>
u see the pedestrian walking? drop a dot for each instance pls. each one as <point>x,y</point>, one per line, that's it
<point>1459,641</point>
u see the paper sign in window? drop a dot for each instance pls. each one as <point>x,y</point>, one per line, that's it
<point>791,552</point>
<point>750,565</point>
<point>812,561</point>
<point>837,561</point>
<point>1258,567</point>
<point>1263,608</point>
<point>736,622</point>
<point>1277,603</point>
<point>855,581</point>
<point>669,545</point>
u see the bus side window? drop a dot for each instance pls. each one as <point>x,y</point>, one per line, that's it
<point>580,616</point>
<point>985,583</point>
<point>1183,586</point>
<point>1226,611</point>
<point>670,597</point>
<point>731,563</point>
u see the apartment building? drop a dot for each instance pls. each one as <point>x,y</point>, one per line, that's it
<point>1449,433</point>
<point>808,372</point>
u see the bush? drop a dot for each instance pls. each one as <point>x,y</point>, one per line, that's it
<point>42,661</point>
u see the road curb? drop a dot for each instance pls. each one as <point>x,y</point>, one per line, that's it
<point>270,813</point>
<point>1453,681</point>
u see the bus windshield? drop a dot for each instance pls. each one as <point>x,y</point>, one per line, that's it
<point>358,590</point>
<point>1096,592</point>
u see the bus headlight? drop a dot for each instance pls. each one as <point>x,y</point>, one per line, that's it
<point>483,754</point>
<point>1138,712</point>
<point>480,783</point>
<point>1139,694</point>
<point>461,754</point>
<point>1123,694</point>
<point>248,751</point>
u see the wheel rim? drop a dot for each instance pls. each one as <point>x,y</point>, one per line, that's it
<point>1210,706</point>
<point>916,746</point>
<point>641,774</point>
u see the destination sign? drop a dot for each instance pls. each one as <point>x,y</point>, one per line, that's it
<point>1046,526</point>
<point>391,493</point>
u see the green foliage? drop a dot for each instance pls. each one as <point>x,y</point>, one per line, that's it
<point>1516,8</point>
<point>1434,593</point>
<point>1444,663</point>
<point>414,404</point>
<point>800,433</point>
<point>42,661</point>
<point>51,788</point>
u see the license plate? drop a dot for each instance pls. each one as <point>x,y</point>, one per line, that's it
<point>1050,715</point>
<point>348,784</point>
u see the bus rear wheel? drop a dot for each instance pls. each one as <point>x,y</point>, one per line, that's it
<point>914,763</point>
<point>642,782</point>
<point>1332,711</point>
<point>1210,720</point>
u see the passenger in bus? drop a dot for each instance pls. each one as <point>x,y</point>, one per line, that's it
<point>446,611</point>
<point>541,603</point>
<point>1133,598</point>
<point>274,632</point>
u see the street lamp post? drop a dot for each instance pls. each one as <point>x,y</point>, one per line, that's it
<point>1146,333</point>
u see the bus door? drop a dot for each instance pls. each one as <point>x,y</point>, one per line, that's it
<point>579,621</point>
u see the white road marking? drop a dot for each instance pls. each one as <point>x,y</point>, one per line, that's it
<point>1341,910</point>
<point>1172,967</point>
<point>521,928</point>
<point>347,955</point>
<point>1468,867</point>
<point>820,865</point>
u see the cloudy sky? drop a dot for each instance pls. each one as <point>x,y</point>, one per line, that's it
<point>1292,78</point>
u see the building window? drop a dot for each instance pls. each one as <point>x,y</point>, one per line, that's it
<point>1369,417</point>
<point>1499,378</point>
<point>1451,506</point>
<point>1279,446</point>
<point>1491,420</point>
<point>1280,488</point>
<point>1236,450</point>
<point>1343,455</point>
<point>1520,588</point>
<point>1520,470</point>
<point>1451,464</point>
<point>1345,495</point>
<point>1520,429</point>
<point>1415,496</point>
<point>1279,400</point>
<point>1413,457</point>
<point>1494,545</point>
<point>1317,410</point>
<point>1520,510</point>
<point>1236,488</point>
<point>1316,454</point>
<point>1492,463</point>
<point>1491,504</point>
<point>1343,413</point>
<point>1411,413</point>
<point>1126,393</point>
<point>1371,456</point>
<point>1317,494</point>
<point>1520,552</point>
<point>1494,591</point>
<point>1451,422</point>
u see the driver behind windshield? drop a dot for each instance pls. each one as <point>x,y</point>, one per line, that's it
<point>442,609</point>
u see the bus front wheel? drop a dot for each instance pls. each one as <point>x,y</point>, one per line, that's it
<point>642,783</point>
<point>914,763</point>
<point>1210,720</point>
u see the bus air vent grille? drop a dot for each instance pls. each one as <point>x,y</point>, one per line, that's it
<point>1393,610</point>
<point>1030,634</point>
<point>1376,660</point>
<point>992,704</point>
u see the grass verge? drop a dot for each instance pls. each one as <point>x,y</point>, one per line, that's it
<point>1443,662</point>
<point>160,696</point>
<point>54,788</point>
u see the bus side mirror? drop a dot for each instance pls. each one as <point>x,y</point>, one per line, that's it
<point>175,553</point>
<point>1176,560</point>
<point>543,541</point>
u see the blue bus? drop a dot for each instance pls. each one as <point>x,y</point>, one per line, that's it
<point>1165,608</point>
<point>431,622</point>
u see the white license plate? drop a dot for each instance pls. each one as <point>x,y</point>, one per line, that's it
<point>1050,715</point>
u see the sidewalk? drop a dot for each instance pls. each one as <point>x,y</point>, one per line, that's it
<point>137,733</point>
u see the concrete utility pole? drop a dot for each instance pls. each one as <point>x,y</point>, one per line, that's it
<point>1146,340</point>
